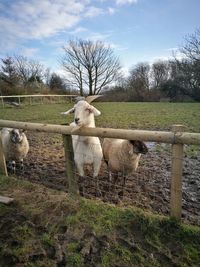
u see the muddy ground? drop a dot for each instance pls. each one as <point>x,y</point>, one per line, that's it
<point>149,188</point>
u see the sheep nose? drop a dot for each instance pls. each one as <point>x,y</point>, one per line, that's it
<point>77,120</point>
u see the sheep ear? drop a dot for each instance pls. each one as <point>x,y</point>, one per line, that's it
<point>95,111</point>
<point>68,111</point>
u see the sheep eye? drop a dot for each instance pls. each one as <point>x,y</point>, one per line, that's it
<point>89,110</point>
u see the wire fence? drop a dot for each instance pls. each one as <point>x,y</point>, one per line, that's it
<point>149,187</point>
<point>21,100</point>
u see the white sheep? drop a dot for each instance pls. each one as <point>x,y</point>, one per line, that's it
<point>122,156</point>
<point>15,146</point>
<point>87,149</point>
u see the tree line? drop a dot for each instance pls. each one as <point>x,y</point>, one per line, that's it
<point>93,68</point>
<point>20,75</point>
<point>177,79</point>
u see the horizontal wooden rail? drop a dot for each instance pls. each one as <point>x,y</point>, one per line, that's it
<point>149,136</point>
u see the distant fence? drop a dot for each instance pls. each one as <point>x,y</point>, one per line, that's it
<point>31,98</point>
<point>177,138</point>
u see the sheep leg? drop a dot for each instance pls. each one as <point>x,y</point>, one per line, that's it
<point>109,175</point>
<point>123,185</point>
<point>12,166</point>
<point>96,166</point>
<point>21,164</point>
<point>80,168</point>
<point>81,185</point>
<point>81,177</point>
<point>121,193</point>
<point>110,180</point>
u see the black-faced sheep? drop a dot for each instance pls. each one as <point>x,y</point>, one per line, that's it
<point>122,156</point>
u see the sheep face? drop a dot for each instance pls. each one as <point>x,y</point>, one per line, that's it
<point>138,147</point>
<point>16,135</point>
<point>83,113</point>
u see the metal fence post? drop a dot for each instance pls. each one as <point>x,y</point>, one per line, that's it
<point>70,166</point>
<point>3,168</point>
<point>176,176</point>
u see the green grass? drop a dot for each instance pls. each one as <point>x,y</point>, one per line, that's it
<point>152,116</point>
<point>113,236</point>
<point>122,237</point>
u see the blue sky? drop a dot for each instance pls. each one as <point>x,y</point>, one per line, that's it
<point>137,30</point>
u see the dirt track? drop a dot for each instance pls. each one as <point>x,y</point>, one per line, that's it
<point>148,189</point>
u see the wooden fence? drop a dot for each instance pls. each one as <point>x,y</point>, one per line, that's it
<point>32,97</point>
<point>177,137</point>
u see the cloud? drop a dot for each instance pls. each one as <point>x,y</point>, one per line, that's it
<point>93,12</point>
<point>22,20</point>
<point>95,36</point>
<point>123,2</point>
<point>111,10</point>
<point>38,19</point>
<point>28,52</point>
<point>34,19</point>
<point>78,30</point>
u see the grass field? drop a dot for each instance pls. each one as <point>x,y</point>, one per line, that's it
<point>151,116</point>
<point>46,228</point>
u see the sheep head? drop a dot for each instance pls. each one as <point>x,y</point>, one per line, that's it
<point>138,147</point>
<point>83,113</point>
<point>16,135</point>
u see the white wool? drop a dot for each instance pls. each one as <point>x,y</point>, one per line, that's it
<point>14,151</point>
<point>87,149</point>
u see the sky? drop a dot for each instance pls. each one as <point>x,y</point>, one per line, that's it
<point>137,30</point>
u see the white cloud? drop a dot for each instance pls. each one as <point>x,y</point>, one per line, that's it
<point>28,52</point>
<point>95,36</point>
<point>78,30</point>
<point>111,10</point>
<point>35,19</point>
<point>93,12</point>
<point>123,2</point>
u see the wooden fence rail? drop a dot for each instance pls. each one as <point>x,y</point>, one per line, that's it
<point>177,137</point>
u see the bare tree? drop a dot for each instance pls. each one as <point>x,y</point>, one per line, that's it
<point>138,82</point>
<point>57,84</point>
<point>90,66</point>
<point>9,79</point>
<point>191,49</point>
<point>159,73</point>
<point>189,66</point>
<point>28,70</point>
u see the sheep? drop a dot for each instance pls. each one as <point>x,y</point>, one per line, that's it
<point>122,156</point>
<point>15,146</point>
<point>87,149</point>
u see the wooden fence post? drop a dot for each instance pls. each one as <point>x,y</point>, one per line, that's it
<point>3,168</point>
<point>70,166</point>
<point>2,102</point>
<point>176,176</point>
